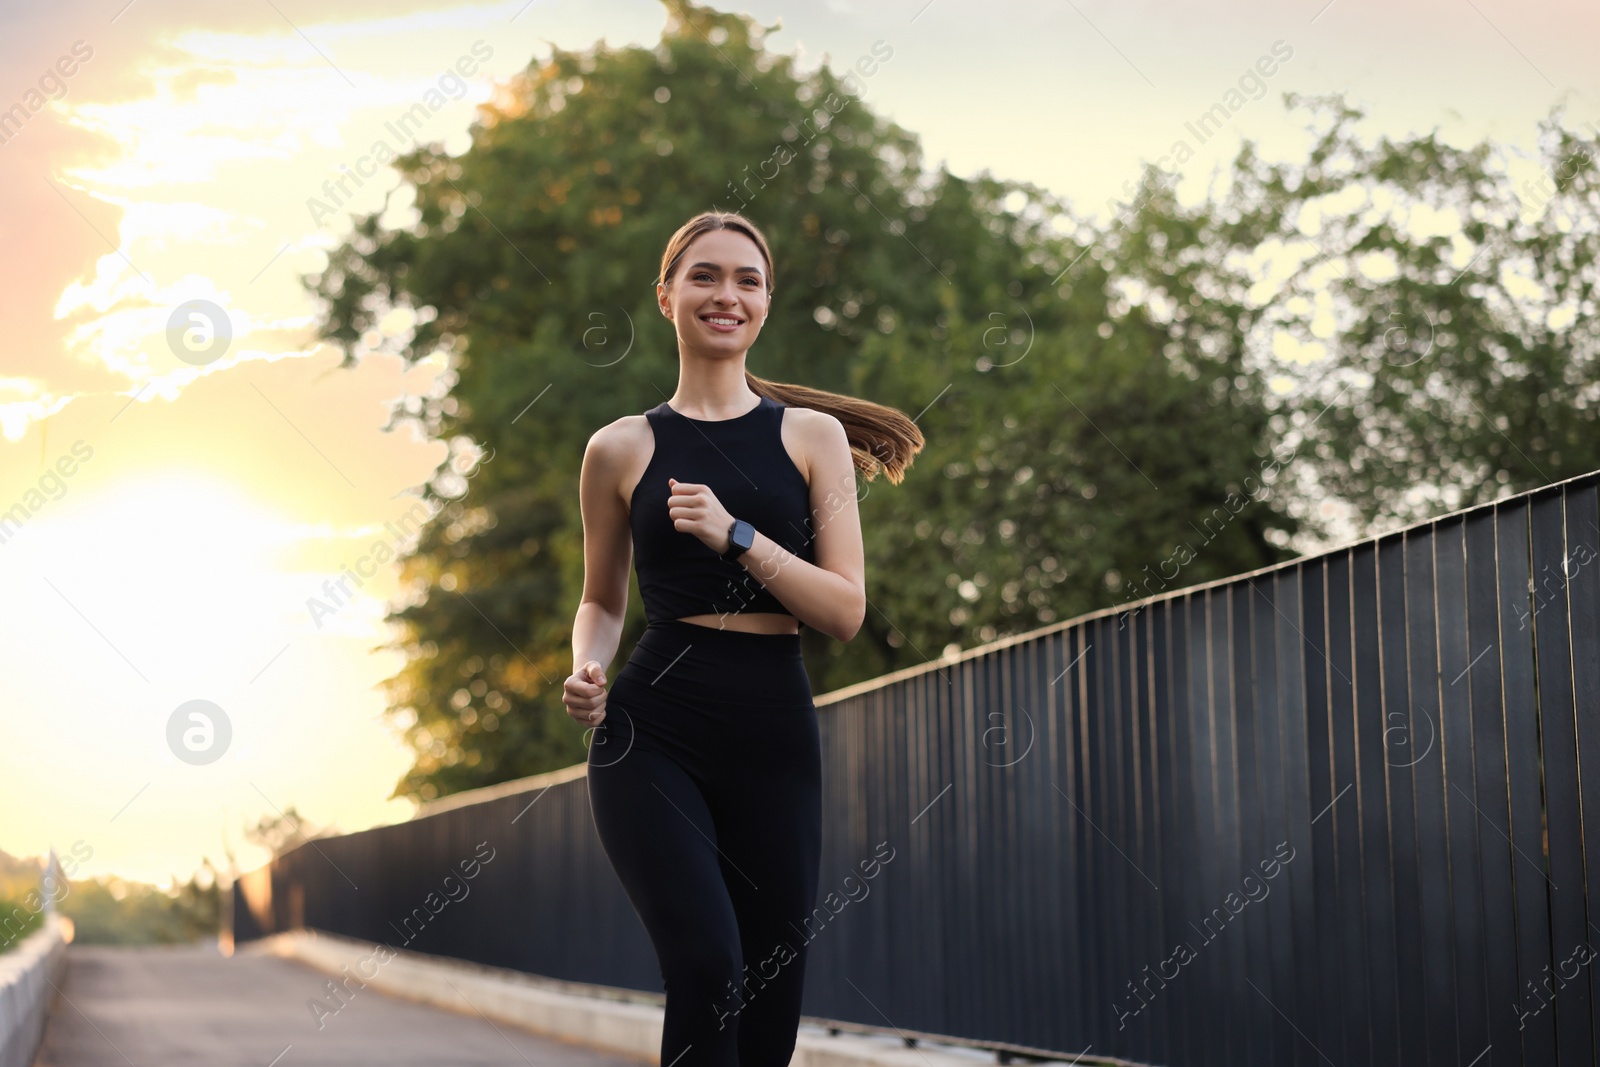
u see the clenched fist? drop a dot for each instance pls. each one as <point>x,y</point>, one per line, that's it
<point>695,509</point>
<point>584,694</point>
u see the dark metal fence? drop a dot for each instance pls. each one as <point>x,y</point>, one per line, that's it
<point>1329,812</point>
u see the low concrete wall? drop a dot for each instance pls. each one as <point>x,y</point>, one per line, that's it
<point>26,991</point>
<point>617,1020</point>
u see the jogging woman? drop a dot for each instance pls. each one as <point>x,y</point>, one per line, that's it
<point>736,499</point>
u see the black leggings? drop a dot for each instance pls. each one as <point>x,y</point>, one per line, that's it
<point>705,782</point>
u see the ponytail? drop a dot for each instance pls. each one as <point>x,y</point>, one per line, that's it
<point>880,436</point>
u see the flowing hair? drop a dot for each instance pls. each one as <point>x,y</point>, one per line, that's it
<point>881,437</point>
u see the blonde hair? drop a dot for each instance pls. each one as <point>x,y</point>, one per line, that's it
<point>881,437</point>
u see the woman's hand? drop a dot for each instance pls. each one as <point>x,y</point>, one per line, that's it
<point>584,694</point>
<point>695,509</point>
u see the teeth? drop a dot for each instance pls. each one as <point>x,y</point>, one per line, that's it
<point>723,322</point>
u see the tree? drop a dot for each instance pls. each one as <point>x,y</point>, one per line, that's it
<point>281,832</point>
<point>113,911</point>
<point>1440,328</point>
<point>1057,424</point>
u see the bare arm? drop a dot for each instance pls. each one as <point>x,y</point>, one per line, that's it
<point>829,595</point>
<point>607,555</point>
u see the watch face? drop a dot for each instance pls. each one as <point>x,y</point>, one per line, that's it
<point>740,539</point>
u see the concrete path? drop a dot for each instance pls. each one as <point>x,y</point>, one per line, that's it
<point>177,1007</point>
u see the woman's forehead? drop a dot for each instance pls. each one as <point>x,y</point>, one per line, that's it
<point>728,248</point>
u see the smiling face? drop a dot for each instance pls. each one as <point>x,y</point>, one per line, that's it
<point>717,298</point>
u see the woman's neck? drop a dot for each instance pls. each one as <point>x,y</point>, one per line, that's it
<point>716,395</point>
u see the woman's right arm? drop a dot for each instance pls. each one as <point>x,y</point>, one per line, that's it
<point>607,555</point>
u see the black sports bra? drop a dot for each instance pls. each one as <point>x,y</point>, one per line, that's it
<point>743,461</point>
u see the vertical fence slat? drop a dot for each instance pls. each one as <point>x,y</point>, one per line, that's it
<point>1402,818</point>
<point>1151,909</point>
<point>1319,847</point>
<point>1295,934</point>
<point>1424,764</point>
<point>1169,806</point>
<point>1582,575</point>
<point>1122,828</point>
<point>1198,1023</point>
<point>1349,821</point>
<point>1033,928</point>
<point>1456,740</point>
<point>1260,803</point>
<point>1377,854</point>
<point>1082,979</point>
<point>1087,771</point>
<point>1569,934</point>
<point>1215,858</point>
<point>1525,784</point>
<point>1491,788</point>
<point>935,829</point>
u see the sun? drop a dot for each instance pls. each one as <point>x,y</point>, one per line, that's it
<point>176,571</point>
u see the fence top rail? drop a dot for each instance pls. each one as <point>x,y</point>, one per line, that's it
<point>511,788</point>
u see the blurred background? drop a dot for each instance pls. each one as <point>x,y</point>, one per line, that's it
<point>311,310</point>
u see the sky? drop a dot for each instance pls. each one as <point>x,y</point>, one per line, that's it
<point>194,467</point>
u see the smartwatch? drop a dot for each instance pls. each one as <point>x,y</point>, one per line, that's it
<point>741,536</point>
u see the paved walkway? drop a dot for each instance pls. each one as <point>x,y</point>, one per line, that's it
<point>177,1007</point>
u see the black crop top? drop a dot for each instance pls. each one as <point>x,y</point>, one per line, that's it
<point>743,461</point>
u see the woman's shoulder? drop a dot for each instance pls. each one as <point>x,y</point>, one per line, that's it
<point>624,430</point>
<point>815,439</point>
<point>814,427</point>
<point>621,437</point>
<point>810,417</point>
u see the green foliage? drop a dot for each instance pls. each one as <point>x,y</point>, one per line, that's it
<point>18,877</point>
<point>281,831</point>
<point>1453,310</point>
<point>1104,416</point>
<point>113,911</point>
<point>20,915</point>
<point>22,903</point>
<point>109,910</point>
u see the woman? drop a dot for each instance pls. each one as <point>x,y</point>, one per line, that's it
<point>737,499</point>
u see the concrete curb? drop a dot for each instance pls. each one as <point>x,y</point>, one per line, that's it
<point>616,1020</point>
<point>26,976</point>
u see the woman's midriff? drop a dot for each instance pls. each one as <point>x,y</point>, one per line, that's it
<point>760,622</point>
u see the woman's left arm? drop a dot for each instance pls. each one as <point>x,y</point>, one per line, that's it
<point>829,595</point>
